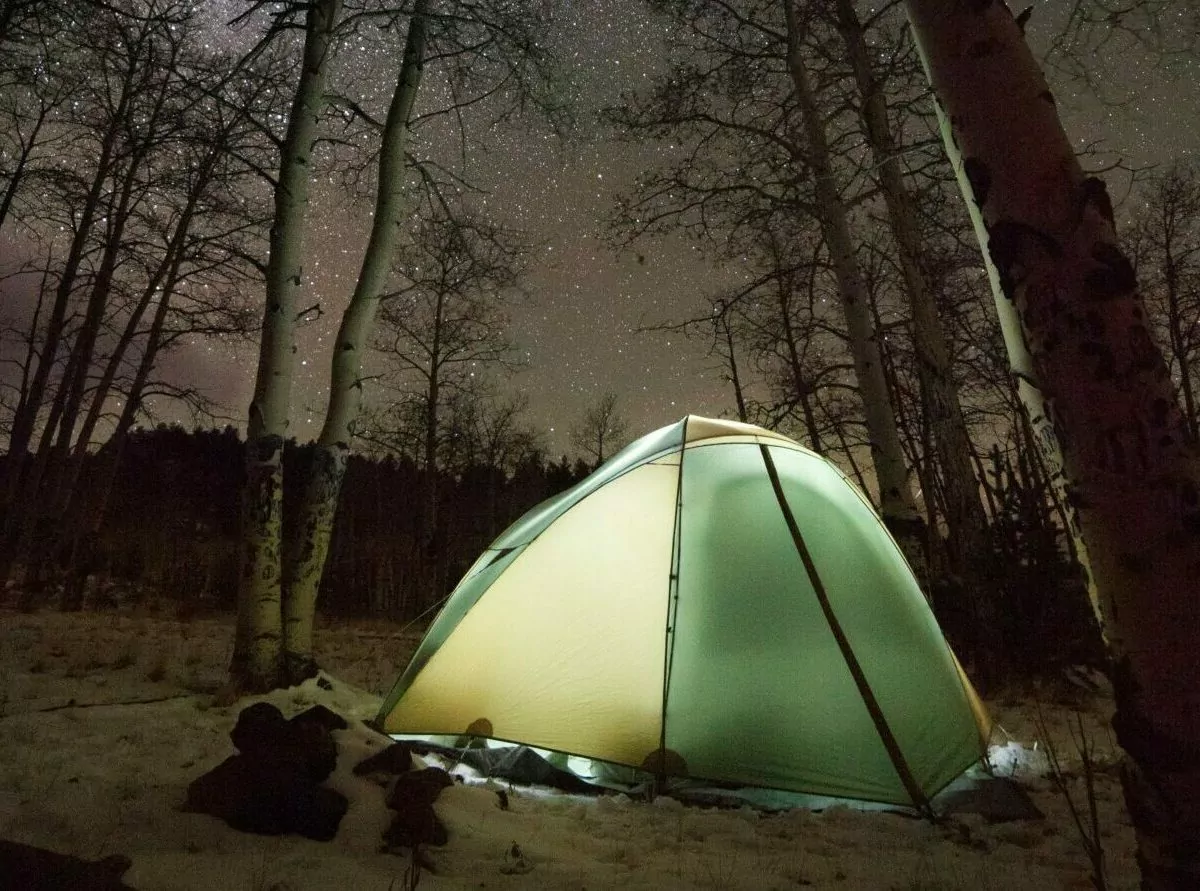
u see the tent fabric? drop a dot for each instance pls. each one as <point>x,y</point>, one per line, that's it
<point>715,602</point>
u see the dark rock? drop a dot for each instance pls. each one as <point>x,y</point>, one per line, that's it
<point>321,716</point>
<point>389,762</point>
<point>412,798</point>
<point>271,797</point>
<point>260,727</point>
<point>319,816</point>
<point>415,824</point>
<point>262,732</point>
<point>996,799</point>
<point>418,786</point>
<point>37,869</point>
<point>274,786</point>
<point>312,748</point>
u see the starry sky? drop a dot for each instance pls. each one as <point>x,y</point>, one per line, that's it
<point>579,325</point>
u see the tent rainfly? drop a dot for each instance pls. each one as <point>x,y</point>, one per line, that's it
<point>715,602</point>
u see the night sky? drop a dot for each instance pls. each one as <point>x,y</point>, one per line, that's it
<point>579,326</point>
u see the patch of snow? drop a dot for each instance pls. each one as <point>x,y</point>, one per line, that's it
<point>105,718</point>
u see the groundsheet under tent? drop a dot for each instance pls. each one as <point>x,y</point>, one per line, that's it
<point>976,791</point>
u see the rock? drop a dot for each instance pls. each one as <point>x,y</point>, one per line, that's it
<point>412,798</point>
<point>415,825</point>
<point>312,748</point>
<point>260,727</point>
<point>274,786</point>
<point>262,731</point>
<point>320,816</point>
<point>321,716</point>
<point>418,786</point>
<point>268,797</point>
<point>37,869</point>
<point>386,763</point>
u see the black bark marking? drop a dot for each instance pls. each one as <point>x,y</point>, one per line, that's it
<point>981,49</point>
<point>1113,449</point>
<point>980,178</point>
<point>1093,192</point>
<point>1105,361</point>
<point>1023,18</point>
<point>1189,498</point>
<point>1075,499</point>
<point>1010,242</point>
<point>1160,413</point>
<point>1047,96</point>
<point>1141,740</point>
<point>1114,278</point>
<point>1138,564</point>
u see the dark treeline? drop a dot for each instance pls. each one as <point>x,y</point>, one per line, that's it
<point>172,524</point>
<point>170,533</point>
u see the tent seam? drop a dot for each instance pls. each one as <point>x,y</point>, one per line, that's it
<point>890,744</point>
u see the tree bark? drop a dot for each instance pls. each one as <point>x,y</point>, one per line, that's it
<point>1025,381</point>
<point>306,562</point>
<point>84,347</point>
<point>17,175</point>
<point>965,518</point>
<point>257,657</point>
<point>1178,342</point>
<point>734,374</point>
<point>25,419</point>
<point>897,505</point>
<point>1133,469</point>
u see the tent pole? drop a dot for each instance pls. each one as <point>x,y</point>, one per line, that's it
<point>660,778</point>
<point>920,801</point>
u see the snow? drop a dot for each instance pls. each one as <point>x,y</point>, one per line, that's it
<point>106,717</point>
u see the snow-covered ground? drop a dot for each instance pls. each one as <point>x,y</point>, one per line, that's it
<point>106,717</point>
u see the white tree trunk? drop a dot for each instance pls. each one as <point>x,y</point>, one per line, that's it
<point>1020,362</point>
<point>310,547</point>
<point>1134,472</point>
<point>965,516</point>
<point>896,503</point>
<point>257,657</point>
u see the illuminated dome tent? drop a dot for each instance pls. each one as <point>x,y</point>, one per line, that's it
<point>715,602</point>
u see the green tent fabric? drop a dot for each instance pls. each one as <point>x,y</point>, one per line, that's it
<point>715,602</point>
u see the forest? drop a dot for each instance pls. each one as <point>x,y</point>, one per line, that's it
<point>992,327</point>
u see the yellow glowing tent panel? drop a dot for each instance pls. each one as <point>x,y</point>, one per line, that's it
<point>715,602</point>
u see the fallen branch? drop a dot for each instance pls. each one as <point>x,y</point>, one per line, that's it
<point>71,703</point>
